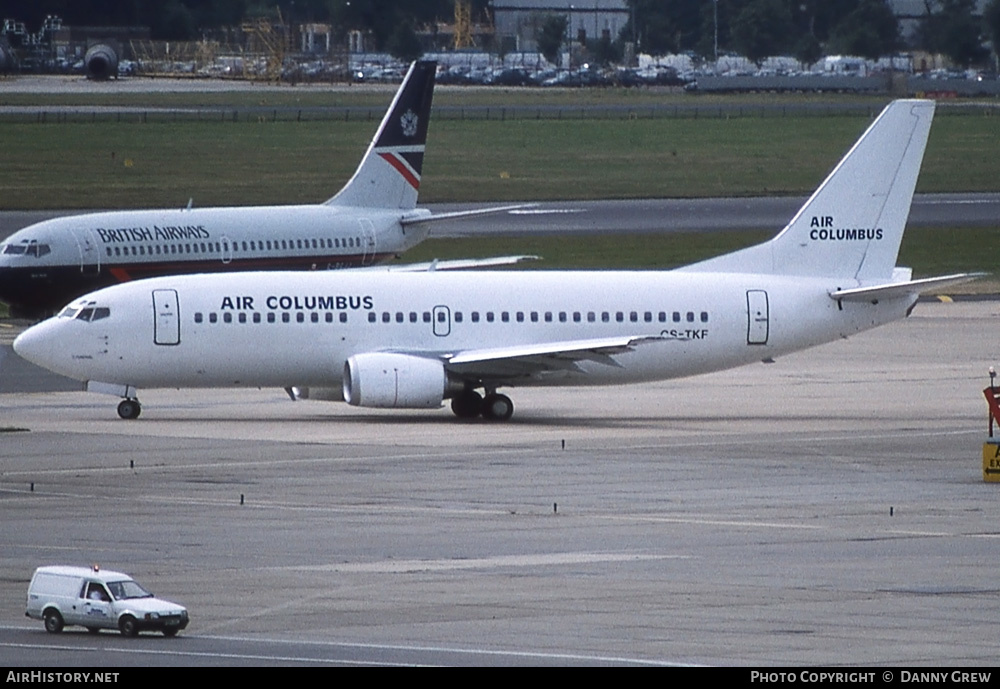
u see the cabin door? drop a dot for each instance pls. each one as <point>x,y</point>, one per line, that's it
<point>90,253</point>
<point>367,242</point>
<point>758,321</point>
<point>166,317</point>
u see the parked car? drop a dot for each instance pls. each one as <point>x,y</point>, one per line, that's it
<point>99,599</point>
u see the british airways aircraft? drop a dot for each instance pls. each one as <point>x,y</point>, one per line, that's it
<point>373,218</point>
<point>378,338</point>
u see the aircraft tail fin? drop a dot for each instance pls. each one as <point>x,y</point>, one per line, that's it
<point>389,174</point>
<point>852,225</point>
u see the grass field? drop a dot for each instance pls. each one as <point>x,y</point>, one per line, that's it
<point>111,164</point>
<point>130,164</point>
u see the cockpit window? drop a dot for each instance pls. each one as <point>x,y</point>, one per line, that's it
<point>85,312</point>
<point>27,247</point>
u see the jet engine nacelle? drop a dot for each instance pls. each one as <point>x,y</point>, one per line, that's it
<point>101,61</point>
<point>394,381</point>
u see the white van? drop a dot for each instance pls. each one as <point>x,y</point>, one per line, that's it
<point>98,599</point>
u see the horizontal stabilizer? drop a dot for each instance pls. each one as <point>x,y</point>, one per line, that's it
<point>901,289</point>
<point>420,219</point>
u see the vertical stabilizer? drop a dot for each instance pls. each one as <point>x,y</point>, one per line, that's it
<point>389,174</point>
<point>852,225</point>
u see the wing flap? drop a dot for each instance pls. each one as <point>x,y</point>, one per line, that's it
<point>526,360</point>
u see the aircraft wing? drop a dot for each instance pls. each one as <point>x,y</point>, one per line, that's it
<point>419,218</point>
<point>454,264</point>
<point>902,289</point>
<point>525,360</point>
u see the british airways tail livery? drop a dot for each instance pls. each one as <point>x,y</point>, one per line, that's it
<point>381,338</point>
<point>374,217</point>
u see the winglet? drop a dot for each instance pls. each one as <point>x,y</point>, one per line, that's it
<point>389,174</point>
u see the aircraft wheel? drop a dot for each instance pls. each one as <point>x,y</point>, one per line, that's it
<point>129,409</point>
<point>467,405</point>
<point>497,407</point>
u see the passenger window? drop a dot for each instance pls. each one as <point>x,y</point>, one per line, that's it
<point>372,318</point>
<point>242,318</point>
<point>458,317</point>
<point>475,316</point>
<point>534,316</point>
<point>386,317</point>
<point>329,316</point>
<point>677,317</point>
<point>286,317</point>
<point>314,317</point>
<point>256,318</point>
<point>605,317</point>
<point>690,316</point>
<point>620,317</point>
<point>227,317</point>
<point>400,318</point>
<point>562,316</point>
<point>704,316</point>
<point>648,316</point>
<point>213,317</point>
<point>548,316</point>
<point>520,316</point>
<point>505,317</point>
<point>300,317</point>
<point>489,316</point>
<point>343,316</point>
<point>591,316</point>
<point>633,317</point>
<point>198,318</point>
<point>413,316</point>
<point>270,317</point>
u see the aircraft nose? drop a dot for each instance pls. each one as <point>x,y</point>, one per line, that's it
<point>38,344</point>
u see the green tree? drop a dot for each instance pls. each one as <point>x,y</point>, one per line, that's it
<point>952,30</point>
<point>763,28</point>
<point>664,27</point>
<point>403,44</point>
<point>550,34</point>
<point>871,30</point>
<point>991,19</point>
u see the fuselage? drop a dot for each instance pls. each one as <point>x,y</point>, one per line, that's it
<point>44,266</point>
<point>298,329</point>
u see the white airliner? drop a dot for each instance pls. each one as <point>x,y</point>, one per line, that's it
<point>378,338</point>
<point>373,218</point>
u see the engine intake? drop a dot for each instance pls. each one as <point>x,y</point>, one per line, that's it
<point>395,381</point>
<point>101,61</point>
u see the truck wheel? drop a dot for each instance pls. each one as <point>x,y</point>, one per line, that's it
<point>128,626</point>
<point>169,632</point>
<point>53,622</point>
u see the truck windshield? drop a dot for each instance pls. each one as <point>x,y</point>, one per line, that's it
<point>122,590</point>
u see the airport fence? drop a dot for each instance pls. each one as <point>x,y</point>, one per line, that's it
<point>514,113</point>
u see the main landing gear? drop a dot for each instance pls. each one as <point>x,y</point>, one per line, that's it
<point>494,407</point>
<point>129,409</point>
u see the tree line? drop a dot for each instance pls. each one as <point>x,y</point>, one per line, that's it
<point>756,29</point>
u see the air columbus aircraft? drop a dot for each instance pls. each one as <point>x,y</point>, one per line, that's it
<point>412,340</point>
<point>371,219</point>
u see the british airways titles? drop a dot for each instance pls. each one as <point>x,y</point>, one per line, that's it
<point>155,233</point>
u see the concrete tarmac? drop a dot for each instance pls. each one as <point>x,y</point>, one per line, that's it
<point>827,509</point>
